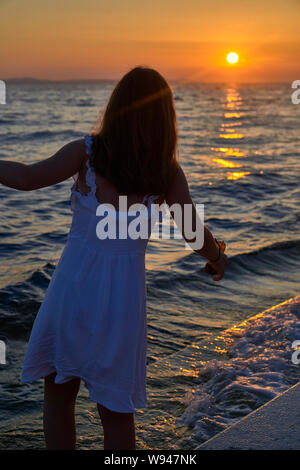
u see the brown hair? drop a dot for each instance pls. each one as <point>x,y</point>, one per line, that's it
<point>136,145</point>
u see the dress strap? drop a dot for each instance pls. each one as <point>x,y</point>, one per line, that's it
<point>90,173</point>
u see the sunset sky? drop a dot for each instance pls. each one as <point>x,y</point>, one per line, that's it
<point>186,39</point>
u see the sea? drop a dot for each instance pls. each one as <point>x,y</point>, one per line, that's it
<point>216,350</point>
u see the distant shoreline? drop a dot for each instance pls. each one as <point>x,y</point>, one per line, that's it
<point>32,80</point>
<point>44,80</point>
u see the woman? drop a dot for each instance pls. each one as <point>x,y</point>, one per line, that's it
<point>92,323</point>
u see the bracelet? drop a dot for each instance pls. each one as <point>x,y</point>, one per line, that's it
<point>217,258</point>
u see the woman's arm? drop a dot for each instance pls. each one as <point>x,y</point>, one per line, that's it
<point>179,193</point>
<point>62,165</point>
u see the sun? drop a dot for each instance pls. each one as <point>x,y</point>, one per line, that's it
<point>232,57</point>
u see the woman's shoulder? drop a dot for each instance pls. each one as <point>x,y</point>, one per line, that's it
<point>82,146</point>
<point>76,146</point>
<point>82,143</point>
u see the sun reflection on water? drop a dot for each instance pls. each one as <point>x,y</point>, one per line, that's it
<point>235,152</point>
<point>228,131</point>
<point>226,163</point>
<point>236,175</point>
<point>231,136</point>
<point>233,115</point>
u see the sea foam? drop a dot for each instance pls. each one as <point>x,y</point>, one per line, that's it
<point>256,367</point>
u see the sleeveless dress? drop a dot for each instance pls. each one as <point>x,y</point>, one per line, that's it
<point>92,323</point>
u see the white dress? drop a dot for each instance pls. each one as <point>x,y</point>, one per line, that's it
<point>92,323</point>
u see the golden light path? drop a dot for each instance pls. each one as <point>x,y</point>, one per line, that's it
<point>237,174</point>
<point>228,131</point>
<point>226,163</point>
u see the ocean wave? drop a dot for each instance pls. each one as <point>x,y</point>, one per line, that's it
<point>186,270</point>
<point>255,368</point>
<point>19,303</point>
<point>39,135</point>
<point>274,254</point>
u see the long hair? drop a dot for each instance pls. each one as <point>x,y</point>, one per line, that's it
<point>135,147</point>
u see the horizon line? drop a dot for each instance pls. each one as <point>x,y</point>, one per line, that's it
<point>60,80</point>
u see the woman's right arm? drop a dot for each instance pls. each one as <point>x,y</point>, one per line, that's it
<point>178,193</point>
<point>65,163</point>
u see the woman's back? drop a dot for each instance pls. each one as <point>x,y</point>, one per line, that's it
<point>105,191</point>
<point>108,225</point>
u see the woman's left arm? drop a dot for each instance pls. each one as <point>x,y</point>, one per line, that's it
<point>62,165</point>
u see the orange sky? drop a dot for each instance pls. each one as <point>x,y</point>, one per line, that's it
<point>189,39</point>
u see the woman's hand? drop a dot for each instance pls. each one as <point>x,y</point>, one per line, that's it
<point>217,267</point>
